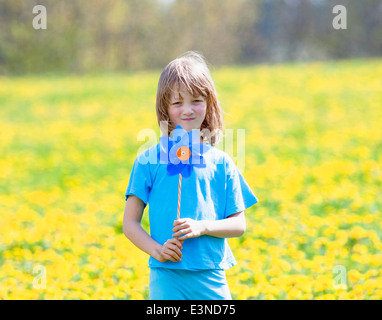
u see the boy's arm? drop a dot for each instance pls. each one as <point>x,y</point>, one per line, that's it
<point>134,231</point>
<point>232,226</point>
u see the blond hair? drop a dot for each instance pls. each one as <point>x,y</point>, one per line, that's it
<point>191,71</point>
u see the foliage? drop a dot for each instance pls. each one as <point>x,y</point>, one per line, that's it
<point>313,158</point>
<point>113,36</point>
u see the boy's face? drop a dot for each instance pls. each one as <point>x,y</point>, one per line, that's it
<point>186,110</point>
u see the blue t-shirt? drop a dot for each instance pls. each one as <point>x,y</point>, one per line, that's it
<point>211,193</point>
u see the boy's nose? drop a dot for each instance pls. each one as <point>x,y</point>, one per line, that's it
<point>188,109</point>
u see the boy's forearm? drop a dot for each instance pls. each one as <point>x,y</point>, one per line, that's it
<point>226,228</point>
<point>141,239</point>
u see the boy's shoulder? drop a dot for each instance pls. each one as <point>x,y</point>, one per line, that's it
<point>220,156</point>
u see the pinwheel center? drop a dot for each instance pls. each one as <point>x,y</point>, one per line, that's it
<point>183,153</point>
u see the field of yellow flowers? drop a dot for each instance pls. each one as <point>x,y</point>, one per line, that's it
<point>313,155</point>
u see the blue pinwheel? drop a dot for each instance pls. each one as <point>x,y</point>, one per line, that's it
<point>181,153</point>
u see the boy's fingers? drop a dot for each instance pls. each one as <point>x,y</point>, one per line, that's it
<point>173,254</point>
<point>181,233</point>
<point>177,234</point>
<point>169,257</point>
<point>175,248</point>
<point>172,248</point>
<point>180,221</point>
<point>179,227</point>
<point>177,242</point>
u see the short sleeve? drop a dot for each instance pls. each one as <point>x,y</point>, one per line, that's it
<point>239,195</point>
<point>140,180</point>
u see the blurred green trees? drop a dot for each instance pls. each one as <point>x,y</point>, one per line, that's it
<point>120,35</point>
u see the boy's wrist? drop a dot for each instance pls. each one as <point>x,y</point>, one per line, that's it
<point>157,253</point>
<point>204,228</point>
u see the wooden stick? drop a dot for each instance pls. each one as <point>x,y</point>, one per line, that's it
<point>179,194</point>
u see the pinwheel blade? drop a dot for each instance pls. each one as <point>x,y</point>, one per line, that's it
<point>173,169</point>
<point>186,172</point>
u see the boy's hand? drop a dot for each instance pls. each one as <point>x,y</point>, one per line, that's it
<point>171,250</point>
<point>187,228</point>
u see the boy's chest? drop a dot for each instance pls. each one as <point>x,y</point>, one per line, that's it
<point>203,194</point>
<point>210,177</point>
